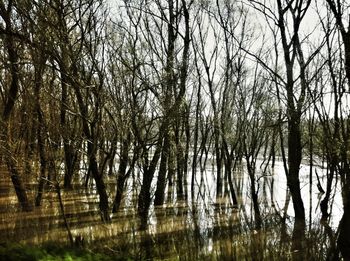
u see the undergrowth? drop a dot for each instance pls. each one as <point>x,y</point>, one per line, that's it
<point>52,252</point>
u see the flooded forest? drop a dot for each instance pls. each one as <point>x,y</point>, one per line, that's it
<point>175,129</point>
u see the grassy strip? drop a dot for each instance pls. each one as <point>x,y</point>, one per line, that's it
<point>52,252</point>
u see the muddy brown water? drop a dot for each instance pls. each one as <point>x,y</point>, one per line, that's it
<point>201,228</point>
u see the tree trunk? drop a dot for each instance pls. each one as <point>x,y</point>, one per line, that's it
<point>119,193</point>
<point>325,200</point>
<point>43,159</point>
<point>18,184</point>
<point>144,200</point>
<point>161,182</point>
<point>218,163</point>
<point>70,155</point>
<point>122,176</point>
<point>294,160</point>
<point>229,170</point>
<point>187,150</point>
<point>8,108</point>
<point>180,170</point>
<point>254,194</point>
<point>344,232</point>
<point>100,185</point>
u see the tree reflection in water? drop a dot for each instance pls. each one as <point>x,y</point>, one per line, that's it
<point>204,227</point>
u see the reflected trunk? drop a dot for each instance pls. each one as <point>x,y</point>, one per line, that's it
<point>298,240</point>
<point>344,225</point>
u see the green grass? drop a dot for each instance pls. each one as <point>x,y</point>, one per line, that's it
<point>51,252</point>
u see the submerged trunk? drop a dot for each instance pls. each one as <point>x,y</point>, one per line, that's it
<point>344,232</point>
<point>254,195</point>
<point>293,182</point>
<point>8,154</point>
<point>294,161</point>
<point>119,193</point>
<point>100,185</point>
<point>218,166</point>
<point>71,161</point>
<point>18,184</point>
<point>251,167</point>
<point>228,169</point>
<point>344,225</point>
<point>122,176</point>
<point>144,200</point>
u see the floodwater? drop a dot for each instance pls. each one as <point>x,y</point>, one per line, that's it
<point>205,227</point>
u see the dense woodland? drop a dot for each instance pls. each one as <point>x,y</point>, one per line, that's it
<point>159,89</point>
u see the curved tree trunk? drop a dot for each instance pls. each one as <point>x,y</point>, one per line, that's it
<point>294,161</point>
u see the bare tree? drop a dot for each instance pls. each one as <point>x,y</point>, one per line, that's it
<point>8,30</point>
<point>340,10</point>
<point>78,62</point>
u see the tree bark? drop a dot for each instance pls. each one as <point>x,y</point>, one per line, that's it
<point>122,175</point>
<point>294,161</point>
<point>161,182</point>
